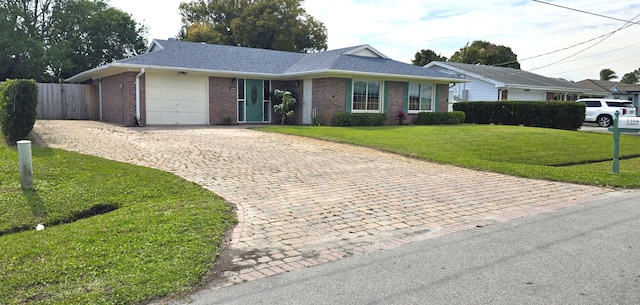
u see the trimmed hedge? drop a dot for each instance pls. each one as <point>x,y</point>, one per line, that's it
<point>440,118</point>
<point>549,114</point>
<point>18,105</point>
<point>359,119</point>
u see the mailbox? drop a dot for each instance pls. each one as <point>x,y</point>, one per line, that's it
<point>632,123</point>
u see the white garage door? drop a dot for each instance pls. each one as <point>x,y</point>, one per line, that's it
<point>521,95</point>
<point>176,99</point>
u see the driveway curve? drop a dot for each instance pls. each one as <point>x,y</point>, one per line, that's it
<point>303,202</point>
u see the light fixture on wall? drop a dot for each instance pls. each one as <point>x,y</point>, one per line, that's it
<point>182,73</point>
<point>233,81</point>
<point>297,83</point>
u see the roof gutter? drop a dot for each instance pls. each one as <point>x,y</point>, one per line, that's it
<point>138,95</point>
<point>80,77</point>
<point>386,76</point>
<point>278,76</point>
<point>544,88</point>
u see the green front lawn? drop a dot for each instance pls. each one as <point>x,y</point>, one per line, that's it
<point>513,150</point>
<point>114,233</point>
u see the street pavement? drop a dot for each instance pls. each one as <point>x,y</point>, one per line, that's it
<point>585,254</point>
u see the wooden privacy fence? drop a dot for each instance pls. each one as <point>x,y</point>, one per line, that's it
<point>67,102</point>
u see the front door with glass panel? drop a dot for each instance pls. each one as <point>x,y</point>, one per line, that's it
<point>254,103</point>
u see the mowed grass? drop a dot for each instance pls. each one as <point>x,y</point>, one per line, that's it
<point>160,238</point>
<point>537,153</point>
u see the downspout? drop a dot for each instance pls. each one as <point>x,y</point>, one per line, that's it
<point>100,97</point>
<point>138,96</point>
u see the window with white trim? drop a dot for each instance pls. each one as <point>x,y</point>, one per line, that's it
<point>366,96</point>
<point>421,97</point>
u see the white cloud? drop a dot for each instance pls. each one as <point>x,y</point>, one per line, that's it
<point>401,28</point>
<point>161,17</point>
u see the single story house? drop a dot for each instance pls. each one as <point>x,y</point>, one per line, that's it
<point>492,83</point>
<point>178,82</point>
<point>612,90</point>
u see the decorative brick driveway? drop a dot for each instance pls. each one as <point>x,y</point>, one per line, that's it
<point>303,202</point>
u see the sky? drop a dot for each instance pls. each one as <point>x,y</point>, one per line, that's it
<point>580,44</point>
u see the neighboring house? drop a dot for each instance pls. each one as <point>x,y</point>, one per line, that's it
<point>491,83</point>
<point>612,90</point>
<point>195,83</point>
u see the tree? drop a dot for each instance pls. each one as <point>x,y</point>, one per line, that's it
<point>607,74</point>
<point>284,103</point>
<point>210,21</point>
<point>631,78</point>
<point>55,39</point>
<point>267,24</point>
<point>424,57</point>
<point>22,53</point>
<point>90,34</point>
<point>486,53</point>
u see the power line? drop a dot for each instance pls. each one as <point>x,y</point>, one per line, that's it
<point>590,13</point>
<point>598,65</point>
<point>556,51</point>
<point>628,23</point>
<point>610,51</point>
<point>569,47</point>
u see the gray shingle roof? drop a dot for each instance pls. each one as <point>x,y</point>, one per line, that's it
<point>338,61</point>
<point>606,86</point>
<point>193,55</point>
<point>212,58</point>
<point>513,77</point>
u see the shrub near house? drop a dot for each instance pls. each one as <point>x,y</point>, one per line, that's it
<point>18,102</point>
<point>440,118</point>
<point>559,115</point>
<point>359,119</point>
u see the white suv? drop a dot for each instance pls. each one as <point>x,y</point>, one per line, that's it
<point>602,111</point>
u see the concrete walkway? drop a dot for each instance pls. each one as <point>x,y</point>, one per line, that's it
<point>303,202</point>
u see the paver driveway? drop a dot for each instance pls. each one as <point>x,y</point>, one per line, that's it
<point>303,202</point>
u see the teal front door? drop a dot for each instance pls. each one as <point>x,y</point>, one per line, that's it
<point>254,100</point>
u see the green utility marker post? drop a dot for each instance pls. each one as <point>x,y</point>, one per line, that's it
<point>615,168</point>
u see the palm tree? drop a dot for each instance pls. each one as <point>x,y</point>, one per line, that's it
<point>632,77</point>
<point>607,74</point>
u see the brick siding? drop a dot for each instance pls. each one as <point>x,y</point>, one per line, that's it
<point>396,102</point>
<point>119,99</point>
<point>223,98</point>
<point>443,101</point>
<point>329,98</point>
